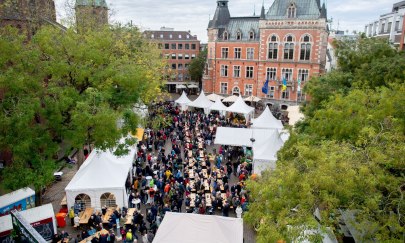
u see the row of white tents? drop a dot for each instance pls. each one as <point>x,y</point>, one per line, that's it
<point>239,106</point>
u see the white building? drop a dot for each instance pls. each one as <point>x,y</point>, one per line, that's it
<point>389,25</point>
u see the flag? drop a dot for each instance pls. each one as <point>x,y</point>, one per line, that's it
<point>284,84</point>
<point>299,85</point>
<point>265,88</point>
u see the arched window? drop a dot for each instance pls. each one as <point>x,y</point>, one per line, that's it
<point>238,35</point>
<point>305,53</point>
<point>251,35</point>
<point>236,90</point>
<point>225,36</point>
<point>289,48</point>
<point>108,199</point>
<point>273,48</point>
<point>291,11</point>
<point>83,200</point>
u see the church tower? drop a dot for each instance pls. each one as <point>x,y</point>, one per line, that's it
<point>91,14</point>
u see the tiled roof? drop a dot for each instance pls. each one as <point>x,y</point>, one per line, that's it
<point>306,9</point>
<point>175,35</point>
<point>244,25</point>
<point>94,3</point>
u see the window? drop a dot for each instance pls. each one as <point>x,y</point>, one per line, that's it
<point>236,90</point>
<point>250,53</point>
<point>180,66</point>
<point>225,36</point>
<point>305,54</point>
<point>238,52</point>
<point>382,28</point>
<point>389,27</point>
<point>180,77</point>
<point>108,199</point>
<point>161,36</point>
<point>273,48</point>
<point>271,92</point>
<point>224,88</point>
<point>192,56</point>
<point>287,74</point>
<point>300,96</point>
<point>187,56</point>
<point>84,201</point>
<point>180,46</point>
<point>174,46</point>
<point>249,89</point>
<point>173,56</point>
<point>238,36</point>
<point>187,46</point>
<point>152,36</point>
<point>224,52</point>
<point>251,35</point>
<point>303,75</point>
<point>291,11</point>
<point>170,36</point>
<point>174,66</point>
<point>285,95</point>
<point>289,49</point>
<point>236,71</point>
<point>271,73</point>
<point>179,36</point>
<point>180,56</point>
<point>193,46</point>
<point>167,46</point>
<point>224,71</point>
<point>396,25</point>
<point>249,72</point>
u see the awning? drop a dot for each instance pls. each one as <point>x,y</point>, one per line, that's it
<point>180,86</point>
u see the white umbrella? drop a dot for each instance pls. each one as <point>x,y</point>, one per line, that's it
<point>180,86</point>
<point>252,99</point>
<point>232,98</point>
<point>213,97</point>
<point>192,86</point>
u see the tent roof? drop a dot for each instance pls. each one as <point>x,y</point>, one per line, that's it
<point>185,228</point>
<point>102,169</point>
<point>201,102</point>
<point>213,97</point>
<point>267,150</point>
<point>36,214</point>
<point>240,107</point>
<point>15,196</point>
<point>183,100</point>
<point>241,136</point>
<point>267,120</point>
<point>218,105</point>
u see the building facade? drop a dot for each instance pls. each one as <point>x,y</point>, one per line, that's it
<point>28,16</point>
<point>91,14</point>
<point>389,26</point>
<point>179,48</point>
<point>289,43</point>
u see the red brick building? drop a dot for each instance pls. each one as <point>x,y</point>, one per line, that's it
<point>179,48</point>
<point>288,42</point>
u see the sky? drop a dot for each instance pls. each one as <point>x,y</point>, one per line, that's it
<point>194,15</point>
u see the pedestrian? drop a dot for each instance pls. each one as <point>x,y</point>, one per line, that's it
<point>72,216</point>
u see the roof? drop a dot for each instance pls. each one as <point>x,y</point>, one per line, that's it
<point>169,35</point>
<point>201,102</point>
<point>15,196</point>
<point>218,105</point>
<point>183,99</point>
<point>306,9</point>
<point>93,3</point>
<point>221,16</point>
<point>240,107</point>
<point>196,228</point>
<point>242,136</point>
<point>267,120</point>
<point>244,25</point>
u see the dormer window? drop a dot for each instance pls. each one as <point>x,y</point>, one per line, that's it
<point>291,11</point>
<point>251,35</point>
<point>225,36</point>
<point>238,36</point>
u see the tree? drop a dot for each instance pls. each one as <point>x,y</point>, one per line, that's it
<point>65,86</point>
<point>197,65</point>
<point>346,157</point>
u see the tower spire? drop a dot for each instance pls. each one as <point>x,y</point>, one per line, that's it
<point>262,14</point>
<point>221,16</point>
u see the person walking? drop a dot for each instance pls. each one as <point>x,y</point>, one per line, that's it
<point>72,216</point>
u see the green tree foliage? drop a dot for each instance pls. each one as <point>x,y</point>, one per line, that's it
<point>71,87</point>
<point>347,155</point>
<point>196,68</point>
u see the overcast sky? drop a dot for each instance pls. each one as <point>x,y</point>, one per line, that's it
<point>194,14</point>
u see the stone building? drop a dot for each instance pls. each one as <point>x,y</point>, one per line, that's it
<point>179,48</point>
<point>91,14</point>
<point>288,41</point>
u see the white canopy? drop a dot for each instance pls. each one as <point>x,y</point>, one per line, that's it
<point>183,101</point>
<point>240,107</point>
<point>102,172</point>
<point>252,99</point>
<point>180,86</point>
<point>265,154</point>
<point>213,97</point>
<point>192,86</point>
<point>294,115</point>
<point>196,228</point>
<point>201,102</point>
<point>242,136</point>
<point>218,106</point>
<point>232,98</point>
<point>267,120</point>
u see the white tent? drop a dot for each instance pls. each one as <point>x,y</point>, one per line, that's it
<point>192,86</point>
<point>102,172</point>
<point>252,98</point>
<point>181,86</point>
<point>265,153</point>
<point>183,101</point>
<point>196,228</point>
<point>218,106</point>
<point>213,97</point>
<point>267,120</point>
<point>202,102</point>
<point>241,107</point>
<point>242,136</point>
<point>294,115</point>
<point>232,98</point>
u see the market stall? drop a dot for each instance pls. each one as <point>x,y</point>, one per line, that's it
<point>183,101</point>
